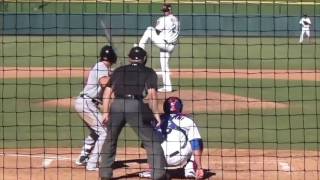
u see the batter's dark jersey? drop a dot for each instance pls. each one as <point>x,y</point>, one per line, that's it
<point>133,79</point>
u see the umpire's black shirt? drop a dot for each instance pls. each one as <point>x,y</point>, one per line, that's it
<point>133,79</point>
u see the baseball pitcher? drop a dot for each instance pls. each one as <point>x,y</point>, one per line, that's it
<point>87,105</point>
<point>305,23</point>
<point>164,35</point>
<point>182,143</point>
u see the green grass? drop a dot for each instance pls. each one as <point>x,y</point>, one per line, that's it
<point>192,52</point>
<point>181,8</point>
<point>23,123</point>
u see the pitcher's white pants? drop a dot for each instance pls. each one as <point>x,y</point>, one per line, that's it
<point>165,52</point>
<point>90,113</point>
<point>304,31</point>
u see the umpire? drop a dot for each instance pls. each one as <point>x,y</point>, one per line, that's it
<point>130,84</point>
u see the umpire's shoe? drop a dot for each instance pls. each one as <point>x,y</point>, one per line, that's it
<point>82,160</point>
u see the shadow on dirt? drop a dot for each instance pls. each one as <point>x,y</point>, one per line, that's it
<point>174,173</point>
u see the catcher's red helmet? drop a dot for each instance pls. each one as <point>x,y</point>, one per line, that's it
<point>166,7</point>
<point>172,105</point>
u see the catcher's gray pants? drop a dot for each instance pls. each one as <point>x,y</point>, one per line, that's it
<point>138,115</point>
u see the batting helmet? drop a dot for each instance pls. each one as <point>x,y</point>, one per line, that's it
<point>172,105</point>
<point>166,7</point>
<point>107,54</point>
<point>138,55</point>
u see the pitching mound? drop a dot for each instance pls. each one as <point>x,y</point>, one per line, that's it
<point>197,101</point>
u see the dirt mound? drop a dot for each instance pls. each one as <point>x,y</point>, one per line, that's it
<point>197,101</point>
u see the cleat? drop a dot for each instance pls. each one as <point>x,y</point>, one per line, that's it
<point>190,174</point>
<point>145,174</point>
<point>82,160</point>
<point>92,168</point>
<point>165,90</point>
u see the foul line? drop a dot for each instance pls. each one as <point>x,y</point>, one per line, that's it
<point>54,157</point>
<point>48,159</point>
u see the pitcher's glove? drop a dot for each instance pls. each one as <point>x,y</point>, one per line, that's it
<point>305,23</point>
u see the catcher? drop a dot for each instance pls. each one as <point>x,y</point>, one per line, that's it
<point>305,23</point>
<point>182,143</point>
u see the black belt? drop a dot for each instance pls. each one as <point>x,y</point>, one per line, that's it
<point>96,101</point>
<point>130,96</point>
<point>174,153</point>
<point>169,43</point>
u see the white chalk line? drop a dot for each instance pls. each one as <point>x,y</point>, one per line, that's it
<point>49,159</point>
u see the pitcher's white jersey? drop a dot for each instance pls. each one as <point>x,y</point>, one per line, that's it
<point>169,27</point>
<point>305,26</point>
<point>178,130</point>
<point>93,88</point>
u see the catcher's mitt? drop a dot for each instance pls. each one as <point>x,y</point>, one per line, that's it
<point>305,23</point>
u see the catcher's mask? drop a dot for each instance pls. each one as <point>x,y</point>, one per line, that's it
<point>138,55</point>
<point>166,8</point>
<point>107,54</point>
<point>172,105</point>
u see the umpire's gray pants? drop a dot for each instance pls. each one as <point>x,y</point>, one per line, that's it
<point>138,115</point>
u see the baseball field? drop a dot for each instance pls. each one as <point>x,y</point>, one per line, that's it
<point>254,99</point>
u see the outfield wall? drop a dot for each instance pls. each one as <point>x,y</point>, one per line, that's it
<point>134,24</point>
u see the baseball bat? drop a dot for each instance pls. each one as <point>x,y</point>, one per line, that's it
<point>106,33</point>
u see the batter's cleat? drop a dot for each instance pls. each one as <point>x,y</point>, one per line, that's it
<point>164,90</point>
<point>145,174</point>
<point>89,168</point>
<point>82,160</point>
<point>190,174</point>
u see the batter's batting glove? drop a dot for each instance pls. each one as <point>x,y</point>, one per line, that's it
<point>199,173</point>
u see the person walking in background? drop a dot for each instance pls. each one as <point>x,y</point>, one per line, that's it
<point>164,35</point>
<point>129,85</point>
<point>305,23</point>
<point>87,105</point>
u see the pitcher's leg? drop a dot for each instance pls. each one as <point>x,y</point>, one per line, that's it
<point>301,36</point>
<point>149,33</point>
<point>164,62</point>
<point>308,34</point>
